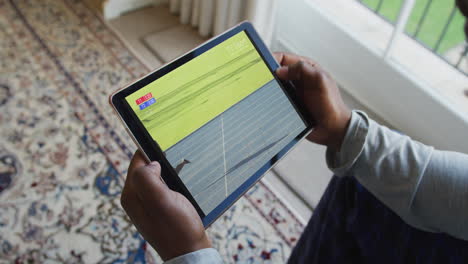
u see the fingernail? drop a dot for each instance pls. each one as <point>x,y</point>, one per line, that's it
<point>154,166</point>
<point>282,71</point>
<point>154,163</point>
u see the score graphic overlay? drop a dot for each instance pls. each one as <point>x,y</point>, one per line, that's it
<point>218,118</point>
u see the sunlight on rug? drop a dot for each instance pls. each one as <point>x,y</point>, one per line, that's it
<point>64,154</point>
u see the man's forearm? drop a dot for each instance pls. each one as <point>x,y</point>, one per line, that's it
<point>425,187</point>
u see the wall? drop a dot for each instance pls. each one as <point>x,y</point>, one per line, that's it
<point>115,8</point>
<point>405,102</point>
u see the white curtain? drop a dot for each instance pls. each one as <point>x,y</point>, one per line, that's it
<point>213,17</point>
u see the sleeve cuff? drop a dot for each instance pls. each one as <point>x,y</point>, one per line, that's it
<point>353,144</point>
<point>205,256</point>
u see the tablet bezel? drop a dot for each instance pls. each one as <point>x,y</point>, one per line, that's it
<point>154,153</point>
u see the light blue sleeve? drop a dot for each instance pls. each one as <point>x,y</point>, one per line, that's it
<point>202,256</point>
<point>427,188</point>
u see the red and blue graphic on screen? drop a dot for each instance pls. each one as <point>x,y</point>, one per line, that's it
<point>145,101</point>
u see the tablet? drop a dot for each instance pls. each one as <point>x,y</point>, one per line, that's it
<point>216,119</point>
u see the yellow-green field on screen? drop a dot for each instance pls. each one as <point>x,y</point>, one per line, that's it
<point>195,93</point>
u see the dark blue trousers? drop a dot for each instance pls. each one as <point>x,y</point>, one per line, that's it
<point>350,225</point>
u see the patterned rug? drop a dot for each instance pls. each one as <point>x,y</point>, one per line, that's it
<point>64,154</point>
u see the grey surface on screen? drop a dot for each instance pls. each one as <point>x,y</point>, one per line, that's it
<point>216,159</point>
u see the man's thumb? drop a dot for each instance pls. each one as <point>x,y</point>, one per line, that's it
<point>147,182</point>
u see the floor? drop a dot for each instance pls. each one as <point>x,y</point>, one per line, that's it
<point>157,37</point>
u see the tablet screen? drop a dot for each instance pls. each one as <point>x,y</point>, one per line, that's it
<point>218,118</point>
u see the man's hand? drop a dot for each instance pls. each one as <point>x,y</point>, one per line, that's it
<point>320,95</point>
<point>166,219</point>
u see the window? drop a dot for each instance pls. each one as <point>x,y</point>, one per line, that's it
<point>362,44</point>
